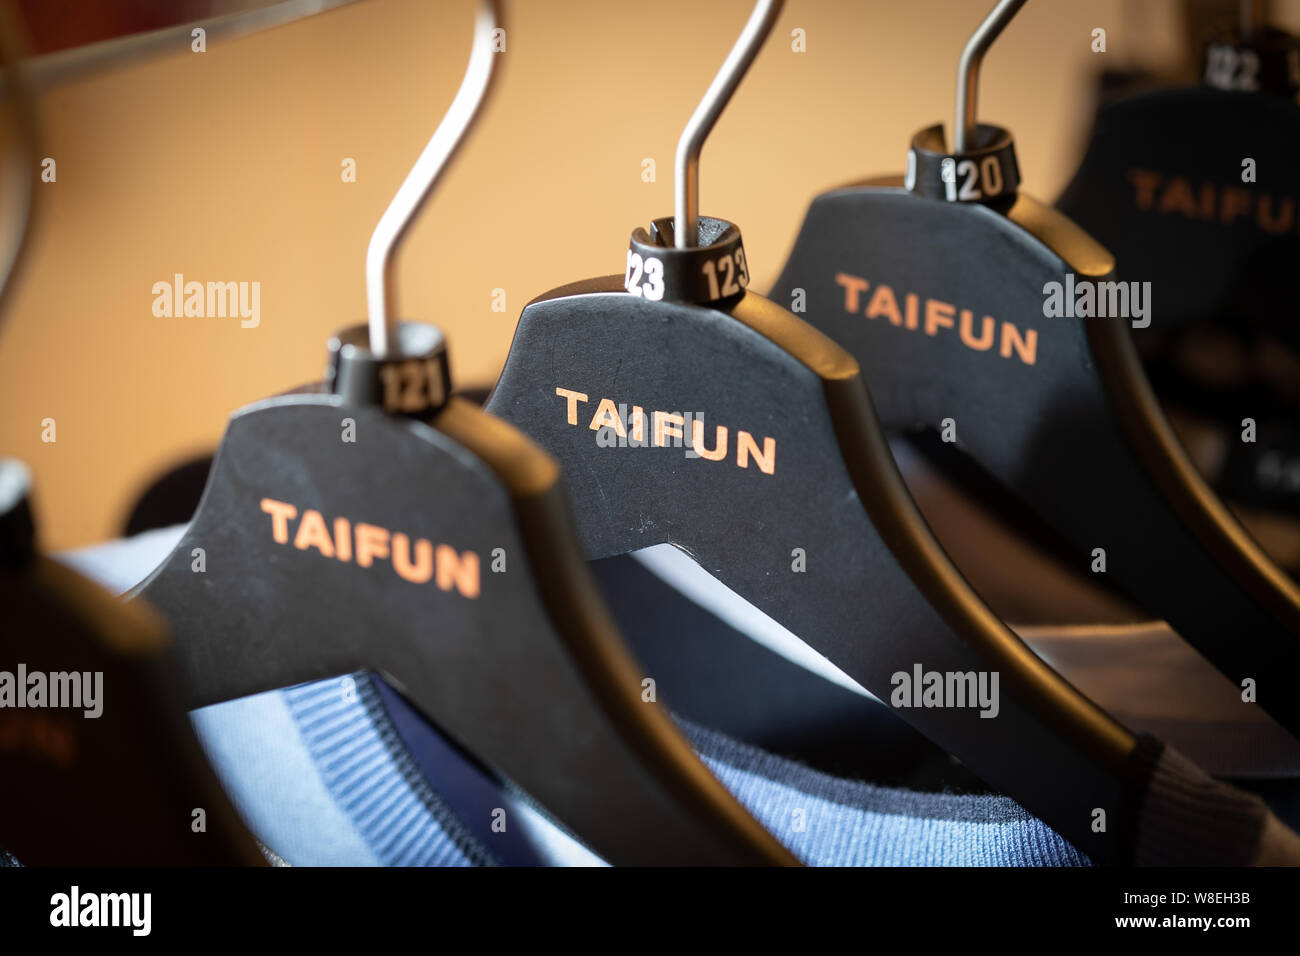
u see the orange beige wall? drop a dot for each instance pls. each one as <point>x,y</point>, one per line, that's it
<point>226,166</point>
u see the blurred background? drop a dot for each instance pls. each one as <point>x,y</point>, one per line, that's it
<point>226,166</point>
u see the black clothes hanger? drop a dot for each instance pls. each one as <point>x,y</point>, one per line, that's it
<point>99,762</point>
<point>373,523</point>
<point>940,285</point>
<point>1191,188</point>
<point>789,494</point>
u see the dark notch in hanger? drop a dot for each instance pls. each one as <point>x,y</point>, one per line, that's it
<point>938,284</point>
<point>100,764</point>
<point>376,524</point>
<point>685,409</point>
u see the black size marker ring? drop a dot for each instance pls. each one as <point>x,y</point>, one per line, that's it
<point>988,173</point>
<point>413,379</point>
<point>714,270</point>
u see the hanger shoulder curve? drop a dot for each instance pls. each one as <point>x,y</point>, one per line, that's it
<point>759,424</point>
<point>414,551</point>
<point>946,306</point>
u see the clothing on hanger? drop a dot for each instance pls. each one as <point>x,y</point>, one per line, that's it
<point>895,567</point>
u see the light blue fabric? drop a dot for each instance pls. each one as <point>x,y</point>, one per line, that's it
<point>321,777</point>
<point>372,780</point>
<point>380,816</point>
<point>828,821</point>
<point>316,778</point>
<point>255,747</point>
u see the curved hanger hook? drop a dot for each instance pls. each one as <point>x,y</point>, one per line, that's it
<point>381,278</point>
<point>686,215</point>
<point>968,70</point>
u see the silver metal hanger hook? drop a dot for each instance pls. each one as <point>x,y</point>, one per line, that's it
<point>381,278</point>
<point>686,215</point>
<point>968,71</point>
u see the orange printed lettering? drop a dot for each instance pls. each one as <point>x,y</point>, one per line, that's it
<point>746,446</point>
<point>372,542</point>
<point>1236,203</point>
<point>607,417</point>
<point>937,314</point>
<point>911,304</point>
<point>985,340</point>
<point>343,538</point>
<point>422,568</point>
<point>666,423</point>
<point>1210,202</point>
<point>1026,348</point>
<point>417,562</point>
<point>313,534</point>
<point>573,398</point>
<point>941,315</point>
<point>1146,183</point>
<point>460,570</point>
<point>1178,198</point>
<point>852,287</point>
<point>1266,220</point>
<point>280,514</point>
<point>719,451</point>
<point>884,303</point>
